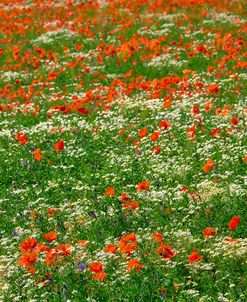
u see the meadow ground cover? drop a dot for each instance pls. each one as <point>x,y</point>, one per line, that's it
<point>123,151</point>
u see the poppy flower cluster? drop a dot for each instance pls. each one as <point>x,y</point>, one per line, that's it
<point>97,269</point>
<point>128,244</point>
<point>127,202</point>
<point>37,154</point>
<point>134,264</point>
<point>30,249</point>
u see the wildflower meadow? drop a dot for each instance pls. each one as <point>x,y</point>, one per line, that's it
<point>123,150</point>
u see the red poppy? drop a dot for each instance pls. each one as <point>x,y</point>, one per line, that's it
<point>52,75</point>
<point>128,248</point>
<point>50,257</point>
<point>135,264</point>
<point>210,68</point>
<point>165,251</point>
<point>156,150</point>
<point>59,146</point>
<point>154,136</point>
<point>83,110</point>
<point>110,248</point>
<point>121,132</point>
<point>37,154</point>
<point>241,65</point>
<point>191,132</point>
<point>22,139</point>
<point>128,243</point>
<point>215,132</point>
<point>195,109</point>
<point>234,121</point>
<point>100,276</point>
<point>208,232</point>
<point>164,124</point>
<point>27,260</point>
<point>184,188</point>
<point>234,222</point>
<point>167,104</point>
<point>142,133</point>
<point>194,257</point>
<point>64,249</point>
<point>223,111</point>
<point>28,245</point>
<point>51,211</point>
<point>208,166</point>
<point>213,88</point>
<point>96,267</point>
<point>43,248</point>
<point>157,237</point>
<point>110,191</point>
<point>55,255</point>
<point>51,236</point>
<point>131,205</point>
<point>208,106</point>
<point>143,185</point>
<point>124,197</point>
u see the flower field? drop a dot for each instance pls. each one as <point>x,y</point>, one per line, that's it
<point>123,150</point>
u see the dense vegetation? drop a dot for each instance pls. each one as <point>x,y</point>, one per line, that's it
<point>123,150</point>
